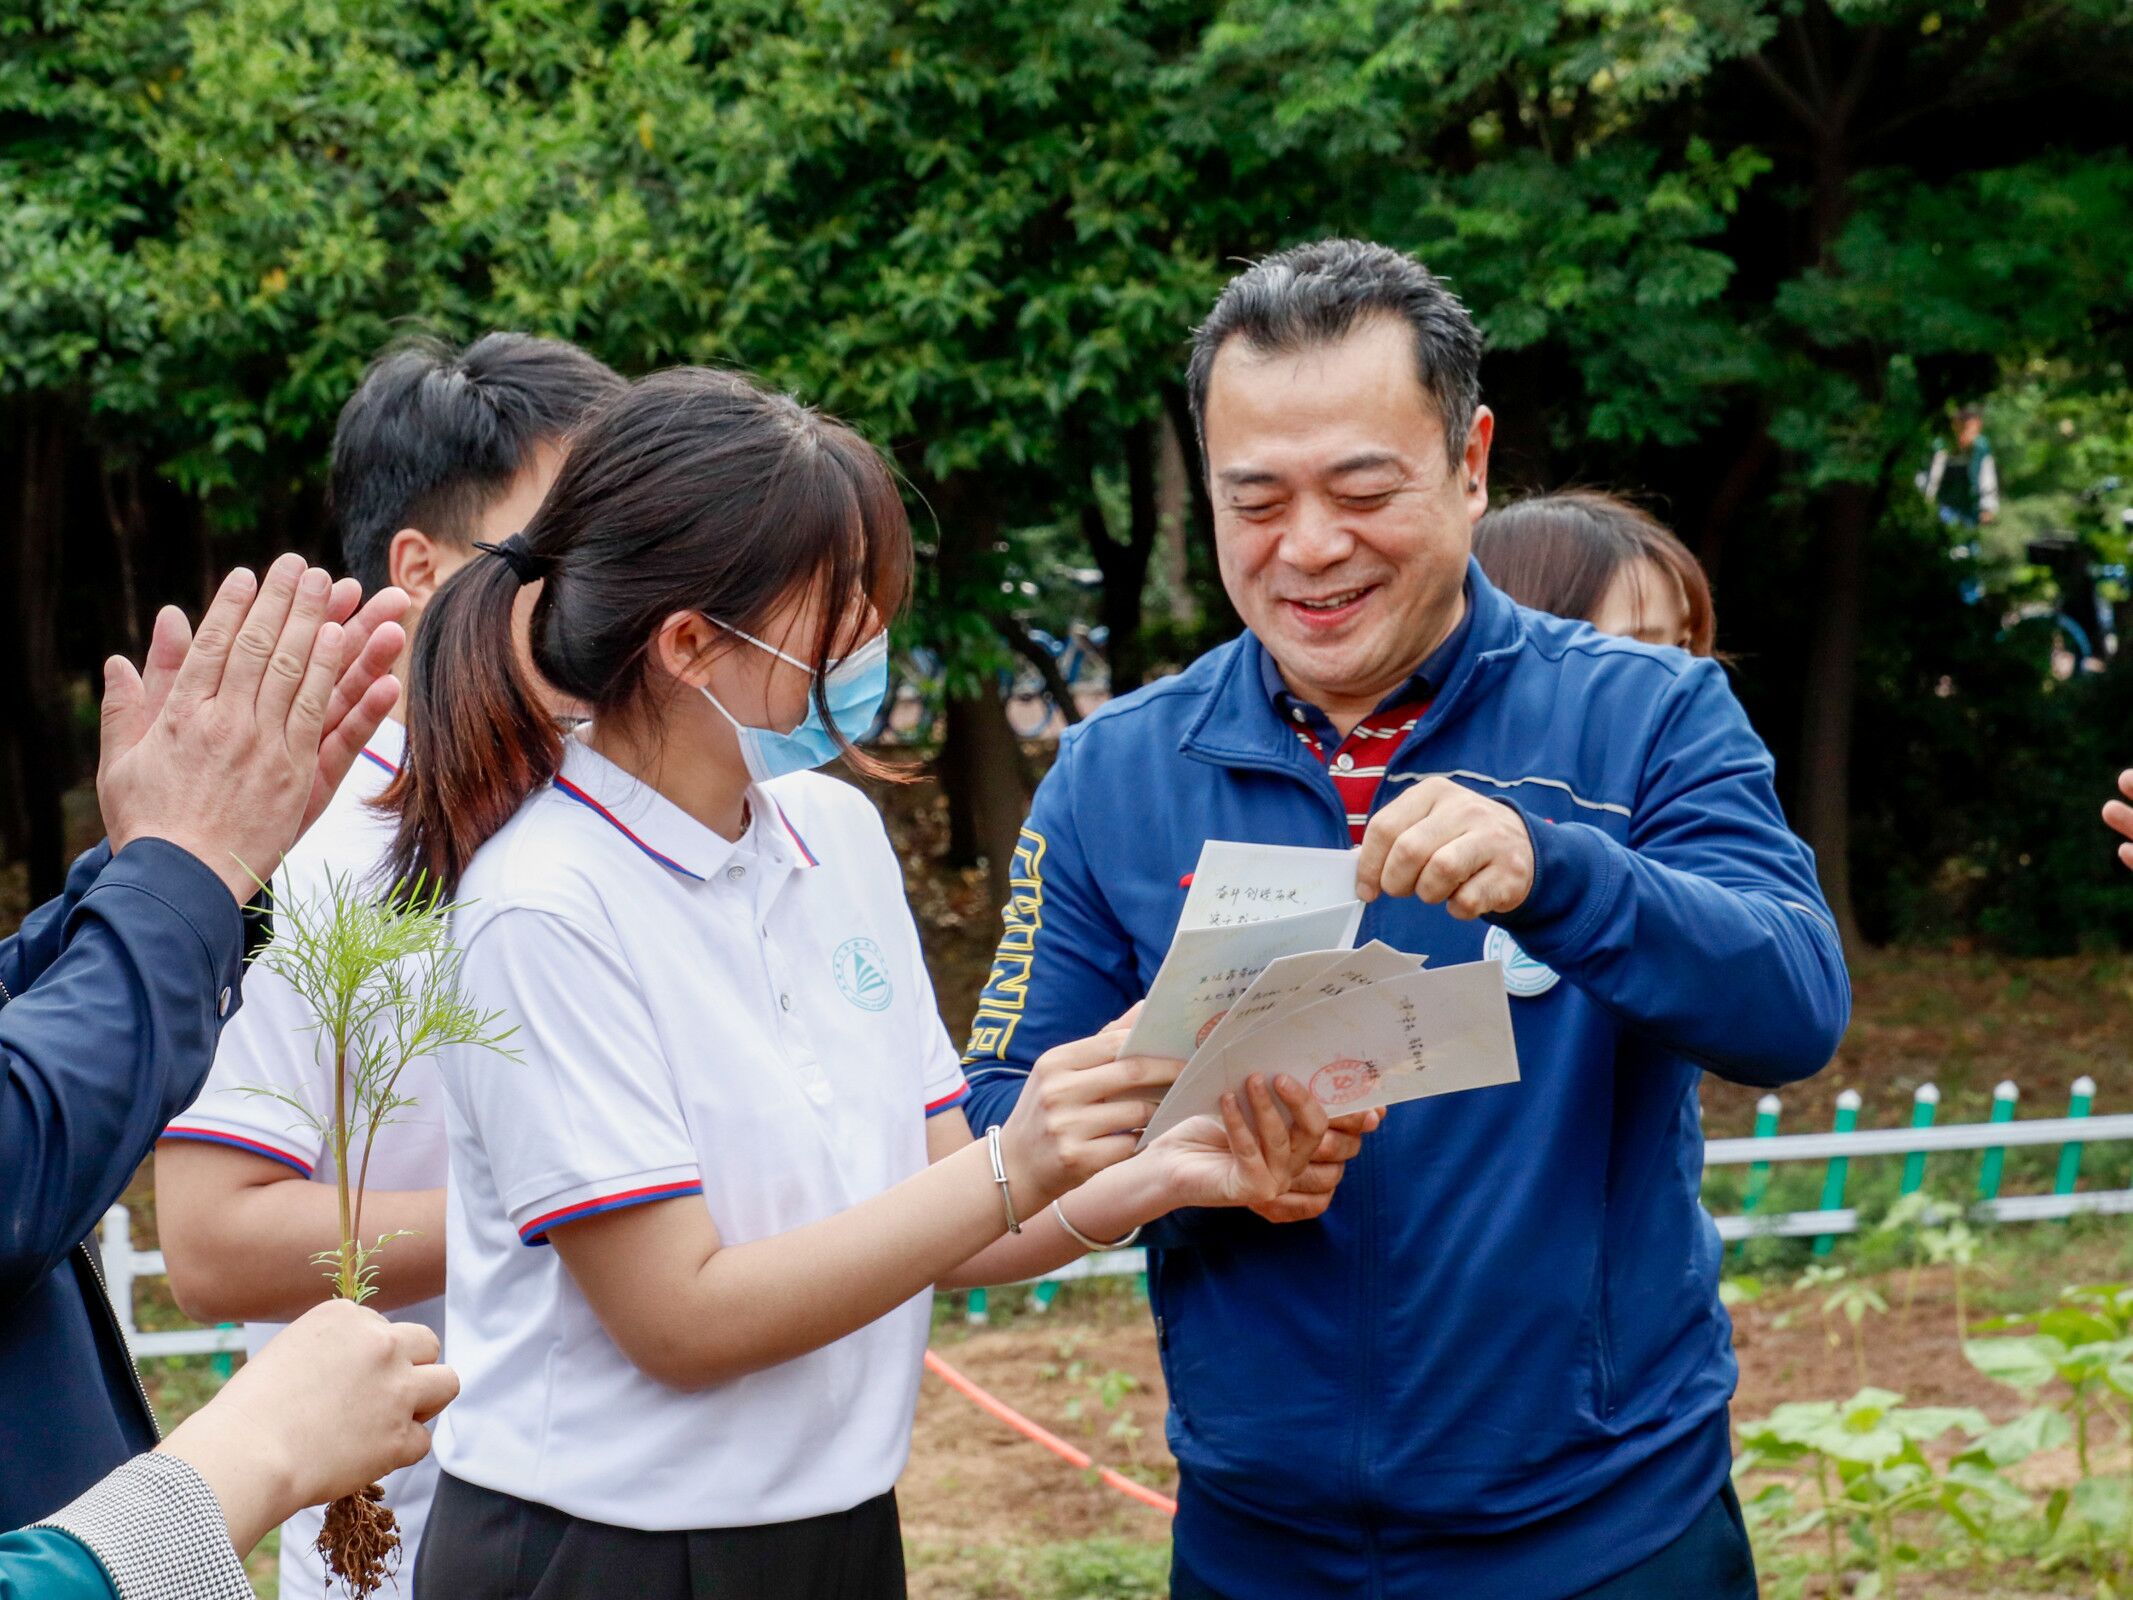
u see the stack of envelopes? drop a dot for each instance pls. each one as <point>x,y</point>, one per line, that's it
<point>1262,976</point>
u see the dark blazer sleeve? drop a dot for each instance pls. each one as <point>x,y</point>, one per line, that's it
<point>126,981</point>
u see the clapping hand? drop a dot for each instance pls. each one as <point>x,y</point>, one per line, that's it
<point>232,741</point>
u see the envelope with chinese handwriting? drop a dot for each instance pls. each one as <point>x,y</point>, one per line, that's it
<point>1209,969</point>
<point>1400,1038</point>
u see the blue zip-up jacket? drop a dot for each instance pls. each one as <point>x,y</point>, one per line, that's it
<point>111,1000</point>
<point>1497,1366</point>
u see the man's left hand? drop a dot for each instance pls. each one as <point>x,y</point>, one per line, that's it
<point>1446,845</point>
<point>1313,1189</point>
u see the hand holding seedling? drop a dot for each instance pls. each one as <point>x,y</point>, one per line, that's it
<point>230,743</point>
<point>380,975</point>
<point>337,1400</point>
<point>1446,845</point>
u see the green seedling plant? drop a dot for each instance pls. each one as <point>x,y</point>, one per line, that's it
<point>1954,1244</point>
<point>1908,1219</point>
<point>381,979</point>
<point>1870,1469</point>
<point>1854,1298</point>
<point>2084,1342</point>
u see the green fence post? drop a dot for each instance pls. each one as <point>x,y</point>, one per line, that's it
<point>1988,1172</point>
<point>223,1365</point>
<point>1766,1127</point>
<point>978,1310</point>
<point>2070,1154</point>
<point>1042,1296</point>
<point>1833,1176</point>
<point>1924,1101</point>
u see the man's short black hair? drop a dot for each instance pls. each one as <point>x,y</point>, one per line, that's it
<point>433,435</point>
<point>1316,294</point>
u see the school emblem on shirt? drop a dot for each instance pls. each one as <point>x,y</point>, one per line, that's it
<point>1522,975</point>
<point>862,974</point>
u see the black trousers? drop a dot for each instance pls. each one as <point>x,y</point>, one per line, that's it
<point>482,1545</point>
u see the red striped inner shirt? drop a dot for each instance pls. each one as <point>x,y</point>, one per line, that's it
<point>1357,767</point>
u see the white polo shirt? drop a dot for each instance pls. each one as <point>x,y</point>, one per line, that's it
<point>748,1026</point>
<point>272,1043</point>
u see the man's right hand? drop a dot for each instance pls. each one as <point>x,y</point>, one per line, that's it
<point>230,745</point>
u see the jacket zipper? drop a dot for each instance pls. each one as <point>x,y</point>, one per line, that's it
<point>133,1371</point>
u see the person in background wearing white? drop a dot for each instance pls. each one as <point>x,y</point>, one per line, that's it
<point>436,450</point>
<point>336,1404</point>
<point>695,1226</point>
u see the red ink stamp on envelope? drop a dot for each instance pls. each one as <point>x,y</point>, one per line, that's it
<point>1338,1082</point>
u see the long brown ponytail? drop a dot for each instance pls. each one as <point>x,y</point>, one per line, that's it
<point>695,490</point>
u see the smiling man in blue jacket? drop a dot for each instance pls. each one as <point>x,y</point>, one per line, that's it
<point>1496,1365</point>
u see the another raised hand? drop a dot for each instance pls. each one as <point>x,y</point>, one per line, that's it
<point>235,737</point>
<point>2120,815</point>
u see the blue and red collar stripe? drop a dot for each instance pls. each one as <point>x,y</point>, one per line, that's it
<point>372,755</point>
<point>236,1142</point>
<point>535,1231</point>
<point>806,854</point>
<point>618,825</point>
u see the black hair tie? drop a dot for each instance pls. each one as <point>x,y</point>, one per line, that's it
<point>517,555</point>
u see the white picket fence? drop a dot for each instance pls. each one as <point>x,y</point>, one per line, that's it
<point>124,1266</point>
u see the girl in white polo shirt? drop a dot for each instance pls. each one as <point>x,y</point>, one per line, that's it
<point>695,1225</point>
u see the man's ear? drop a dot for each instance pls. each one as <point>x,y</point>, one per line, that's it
<point>1474,466</point>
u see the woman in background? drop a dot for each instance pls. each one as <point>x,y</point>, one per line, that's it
<point>1585,554</point>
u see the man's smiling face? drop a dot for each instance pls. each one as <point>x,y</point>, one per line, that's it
<point>1341,526</point>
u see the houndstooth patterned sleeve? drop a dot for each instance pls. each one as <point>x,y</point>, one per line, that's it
<point>158,1530</point>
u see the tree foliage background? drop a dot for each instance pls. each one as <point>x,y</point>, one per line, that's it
<point>1736,256</point>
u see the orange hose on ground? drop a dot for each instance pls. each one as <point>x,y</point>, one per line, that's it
<point>1051,1441</point>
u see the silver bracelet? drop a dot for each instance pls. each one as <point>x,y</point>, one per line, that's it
<point>1084,1240</point>
<point>999,1176</point>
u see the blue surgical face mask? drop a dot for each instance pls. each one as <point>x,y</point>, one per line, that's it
<point>853,685</point>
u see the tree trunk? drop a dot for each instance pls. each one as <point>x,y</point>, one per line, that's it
<point>986,779</point>
<point>981,768</point>
<point>128,516</point>
<point>1124,562</point>
<point>1173,503</point>
<point>39,753</point>
<point>1832,673</point>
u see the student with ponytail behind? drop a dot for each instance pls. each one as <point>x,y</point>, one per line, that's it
<point>695,1225</point>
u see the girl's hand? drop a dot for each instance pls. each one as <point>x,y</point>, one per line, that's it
<point>1080,1112</point>
<point>1248,1157</point>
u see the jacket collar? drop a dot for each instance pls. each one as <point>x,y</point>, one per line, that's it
<point>1238,726</point>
